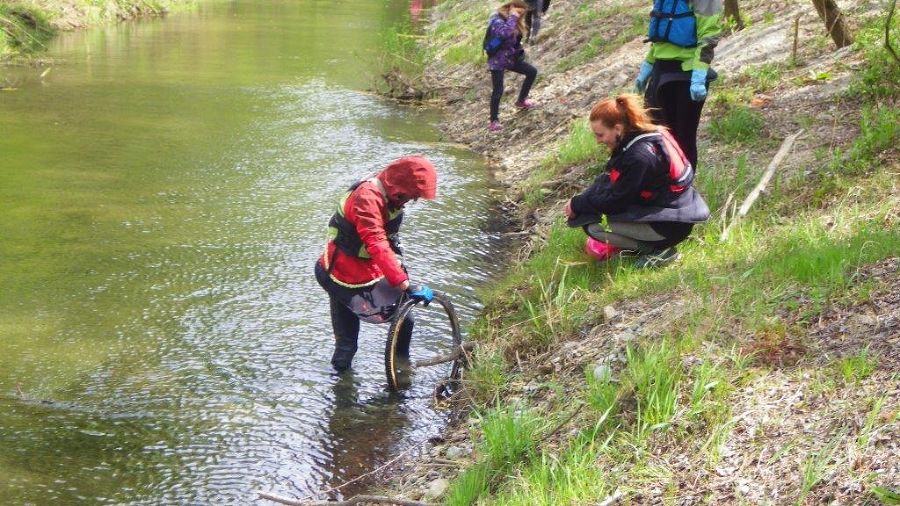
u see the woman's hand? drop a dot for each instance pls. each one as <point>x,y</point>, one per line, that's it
<point>569,212</point>
<point>404,286</point>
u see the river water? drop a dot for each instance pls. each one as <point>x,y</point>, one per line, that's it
<point>164,192</point>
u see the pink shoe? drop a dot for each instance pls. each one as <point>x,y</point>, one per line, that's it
<point>495,126</point>
<point>600,250</point>
<point>525,105</point>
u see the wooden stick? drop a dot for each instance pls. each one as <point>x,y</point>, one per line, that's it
<point>764,180</point>
<point>379,469</point>
<point>449,357</point>
<point>357,499</point>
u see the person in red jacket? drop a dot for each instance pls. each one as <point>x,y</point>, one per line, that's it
<point>362,268</point>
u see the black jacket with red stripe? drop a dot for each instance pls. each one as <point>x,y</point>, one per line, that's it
<point>637,186</point>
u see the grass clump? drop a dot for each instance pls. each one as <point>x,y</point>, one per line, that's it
<point>738,125</point>
<point>462,31</point>
<point>23,29</point>
<point>509,436</point>
<point>654,373</point>
<point>571,477</point>
<point>857,367</point>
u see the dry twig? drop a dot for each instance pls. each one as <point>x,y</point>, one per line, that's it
<point>449,357</point>
<point>763,181</point>
<point>358,499</point>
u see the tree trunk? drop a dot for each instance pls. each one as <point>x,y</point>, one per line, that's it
<point>834,22</point>
<point>732,12</point>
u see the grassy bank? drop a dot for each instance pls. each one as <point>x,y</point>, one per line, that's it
<point>762,367</point>
<point>26,26</point>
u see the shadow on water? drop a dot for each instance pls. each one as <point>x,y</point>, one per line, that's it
<point>362,432</point>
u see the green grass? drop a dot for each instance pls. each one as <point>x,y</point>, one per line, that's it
<point>508,435</point>
<point>602,392</point>
<point>738,125</point>
<point>857,367</point>
<point>880,79</point>
<point>24,29</point>
<point>470,485</point>
<point>818,465</point>
<point>654,374</point>
<point>571,477</point>
<point>602,43</point>
<point>579,147</point>
<point>865,433</point>
<point>462,31</point>
<point>401,51</point>
<point>764,77</point>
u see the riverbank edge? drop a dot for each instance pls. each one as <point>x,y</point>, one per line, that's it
<point>524,367</point>
<point>26,26</point>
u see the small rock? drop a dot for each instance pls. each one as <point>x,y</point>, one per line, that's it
<point>602,372</point>
<point>437,488</point>
<point>455,452</point>
<point>609,313</point>
<point>624,337</point>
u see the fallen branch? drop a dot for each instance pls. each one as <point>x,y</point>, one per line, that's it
<point>384,466</point>
<point>357,499</point>
<point>887,32</point>
<point>449,357</point>
<point>763,181</point>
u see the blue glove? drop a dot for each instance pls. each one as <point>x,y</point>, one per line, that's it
<point>698,85</point>
<point>643,76</point>
<point>421,293</point>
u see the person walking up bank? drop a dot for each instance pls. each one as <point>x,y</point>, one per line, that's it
<point>503,43</point>
<point>362,268</point>
<point>645,195</point>
<point>536,10</point>
<point>676,73</point>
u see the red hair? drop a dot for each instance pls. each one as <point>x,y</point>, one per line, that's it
<point>623,110</point>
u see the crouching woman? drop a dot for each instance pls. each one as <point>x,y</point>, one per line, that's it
<point>644,201</point>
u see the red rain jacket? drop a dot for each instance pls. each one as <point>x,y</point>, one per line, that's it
<point>367,208</point>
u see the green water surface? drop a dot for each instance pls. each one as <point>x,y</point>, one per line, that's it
<point>164,190</point>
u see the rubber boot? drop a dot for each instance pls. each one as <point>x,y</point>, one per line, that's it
<point>344,350</point>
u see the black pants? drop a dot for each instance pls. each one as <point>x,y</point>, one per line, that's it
<point>670,104</point>
<point>345,321</point>
<point>521,67</point>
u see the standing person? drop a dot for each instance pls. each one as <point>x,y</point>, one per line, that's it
<point>645,195</point>
<point>507,27</point>
<point>536,11</point>
<point>362,268</point>
<point>676,73</point>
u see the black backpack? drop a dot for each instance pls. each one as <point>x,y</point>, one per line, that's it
<point>491,43</point>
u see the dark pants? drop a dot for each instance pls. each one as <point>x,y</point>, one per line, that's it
<point>640,237</point>
<point>345,321</point>
<point>521,67</point>
<point>533,18</point>
<point>670,104</point>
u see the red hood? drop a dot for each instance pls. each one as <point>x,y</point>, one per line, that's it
<point>407,178</point>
